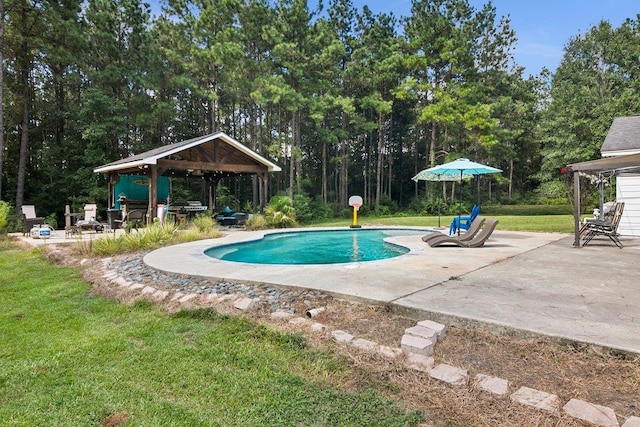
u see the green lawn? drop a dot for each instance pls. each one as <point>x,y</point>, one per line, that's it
<point>71,359</point>
<point>537,223</point>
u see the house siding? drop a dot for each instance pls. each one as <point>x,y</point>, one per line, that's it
<point>628,191</point>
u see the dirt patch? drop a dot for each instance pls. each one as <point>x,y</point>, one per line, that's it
<point>568,370</point>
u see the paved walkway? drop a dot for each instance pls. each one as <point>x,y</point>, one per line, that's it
<point>59,237</point>
<point>531,282</point>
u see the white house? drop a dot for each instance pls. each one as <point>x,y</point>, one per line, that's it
<point>623,139</point>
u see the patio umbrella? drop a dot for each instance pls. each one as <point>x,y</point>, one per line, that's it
<point>434,174</point>
<point>462,168</point>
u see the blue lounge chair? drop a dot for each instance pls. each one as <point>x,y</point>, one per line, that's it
<point>464,222</point>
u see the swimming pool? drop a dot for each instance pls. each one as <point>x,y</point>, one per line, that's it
<point>316,247</point>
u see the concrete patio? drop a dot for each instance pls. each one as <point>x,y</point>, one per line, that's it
<point>522,282</point>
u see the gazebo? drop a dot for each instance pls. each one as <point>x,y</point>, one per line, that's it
<point>211,157</point>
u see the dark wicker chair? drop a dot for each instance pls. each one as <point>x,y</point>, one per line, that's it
<point>29,219</point>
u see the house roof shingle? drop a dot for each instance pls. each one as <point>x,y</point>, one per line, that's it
<point>623,137</point>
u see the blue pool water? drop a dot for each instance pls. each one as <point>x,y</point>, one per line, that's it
<point>315,247</point>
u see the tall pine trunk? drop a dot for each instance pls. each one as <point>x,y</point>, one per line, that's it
<point>24,136</point>
<point>1,93</point>
<point>379,163</point>
<point>24,141</point>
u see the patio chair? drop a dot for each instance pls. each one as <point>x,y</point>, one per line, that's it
<point>477,241</point>
<point>89,222</point>
<point>29,219</point>
<point>476,225</point>
<point>464,222</point>
<point>595,228</point>
<point>135,218</point>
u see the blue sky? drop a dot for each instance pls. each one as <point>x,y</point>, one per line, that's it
<point>542,27</point>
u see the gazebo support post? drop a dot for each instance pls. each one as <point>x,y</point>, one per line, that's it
<point>152,173</point>
<point>576,209</point>
<point>113,180</point>
<point>212,185</point>
<point>264,189</point>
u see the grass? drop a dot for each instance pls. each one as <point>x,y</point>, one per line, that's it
<point>71,359</point>
<point>535,223</point>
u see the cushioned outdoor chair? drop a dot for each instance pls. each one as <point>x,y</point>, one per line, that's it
<point>464,222</point>
<point>596,227</point>
<point>29,219</point>
<point>89,222</point>
<point>477,241</point>
<point>476,225</point>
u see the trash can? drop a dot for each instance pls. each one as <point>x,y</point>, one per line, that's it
<point>113,218</point>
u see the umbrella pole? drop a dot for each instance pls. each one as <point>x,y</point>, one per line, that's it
<point>459,201</point>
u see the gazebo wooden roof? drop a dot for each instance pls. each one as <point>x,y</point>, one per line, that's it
<point>211,157</point>
<point>217,154</point>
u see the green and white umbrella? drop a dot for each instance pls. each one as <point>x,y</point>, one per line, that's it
<point>456,170</point>
<point>433,174</point>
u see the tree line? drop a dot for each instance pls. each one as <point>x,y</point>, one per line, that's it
<point>344,100</point>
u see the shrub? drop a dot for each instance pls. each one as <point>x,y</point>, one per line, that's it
<point>322,210</point>
<point>225,198</point>
<point>203,223</point>
<point>553,190</point>
<point>52,220</point>
<point>152,237</point>
<point>423,206</point>
<point>303,209</point>
<point>247,207</point>
<point>387,205</point>
<point>4,216</point>
<point>280,212</point>
<point>106,245</point>
<point>256,222</point>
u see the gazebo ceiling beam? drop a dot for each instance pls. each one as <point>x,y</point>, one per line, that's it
<point>207,166</point>
<point>204,154</point>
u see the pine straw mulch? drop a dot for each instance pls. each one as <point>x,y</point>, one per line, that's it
<point>569,370</point>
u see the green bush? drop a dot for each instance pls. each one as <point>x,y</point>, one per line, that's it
<point>387,205</point>
<point>303,209</point>
<point>225,198</point>
<point>4,216</point>
<point>422,206</point>
<point>256,222</point>
<point>52,221</point>
<point>280,212</point>
<point>552,191</point>
<point>322,210</point>
<point>247,207</point>
<point>203,223</point>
